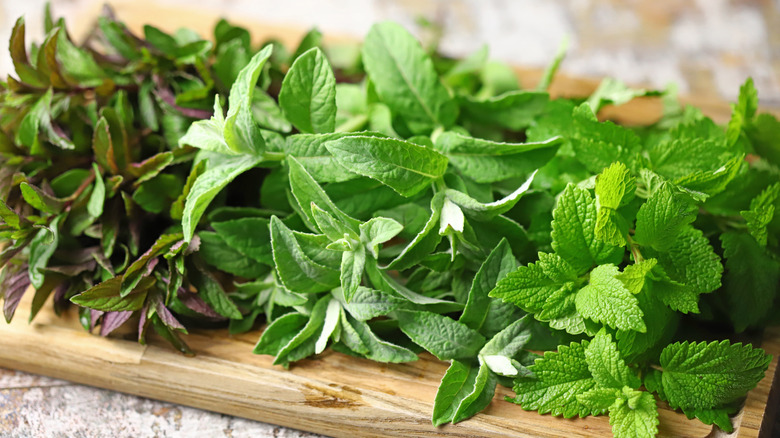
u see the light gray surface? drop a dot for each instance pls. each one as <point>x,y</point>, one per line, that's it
<point>36,406</point>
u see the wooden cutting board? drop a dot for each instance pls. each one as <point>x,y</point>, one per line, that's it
<point>335,394</point>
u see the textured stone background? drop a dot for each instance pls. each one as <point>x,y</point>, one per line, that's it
<point>35,406</point>
<point>708,47</point>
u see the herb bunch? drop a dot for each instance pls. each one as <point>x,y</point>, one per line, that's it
<point>399,202</point>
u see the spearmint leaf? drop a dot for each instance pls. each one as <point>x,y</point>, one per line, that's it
<point>498,264</point>
<point>514,110</point>
<point>310,151</point>
<point>558,378</point>
<point>505,345</point>
<point>378,349</point>
<point>451,220</point>
<point>106,297</point>
<point>332,319</point>
<point>279,333</point>
<point>216,252</point>
<point>487,161</point>
<point>332,228</point>
<point>403,166</point>
<point>308,93</point>
<point>688,268</point>
<point>615,188</point>
<point>303,343</point>
<point>634,415</point>
<point>368,303</point>
<point>377,231</point>
<point>208,185</point>
<point>574,236</point>
<point>486,211</point>
<point>608,368</point>
<point>750,283</point>
<point>405,78</point>
<point>605,299</point>
<point>762,212</point>
<point>249,236</point>
<point>241,133</point>
<point>597,145</point>
<point>424,242</point>
<point>267,113</point>
<point>209,134</point>
<point>297,271</point>
<point>465,390</point>
<point>443,337</point>
<point>707,375</point>
<point>307,192</point>
<point>352,265</point>
<point>42,247</point>
<point>664,216</point>
<point>177,207</point>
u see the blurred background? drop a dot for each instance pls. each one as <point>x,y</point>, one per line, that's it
<point>707,47</point>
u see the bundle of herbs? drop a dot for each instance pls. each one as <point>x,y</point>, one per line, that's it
<point>387,200</point>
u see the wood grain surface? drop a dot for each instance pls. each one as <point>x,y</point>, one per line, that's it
<point>333,394</point>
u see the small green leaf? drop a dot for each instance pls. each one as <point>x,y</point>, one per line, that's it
<point>465,390</point>
<point>443,337</point>
<point>498,264</point>
<point>405,78</point>
<point>98,196</point>
<point>249,236</point>
<point>487,161</point>
<point>297,271</point>
<point>208,185</point>
<point>308,93</point>
<point>106,296</point>
<point>242,135</point>
<point>40,200</point>
<point>405,167</point>
<point>485,211</point>
<point>352,264</point>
